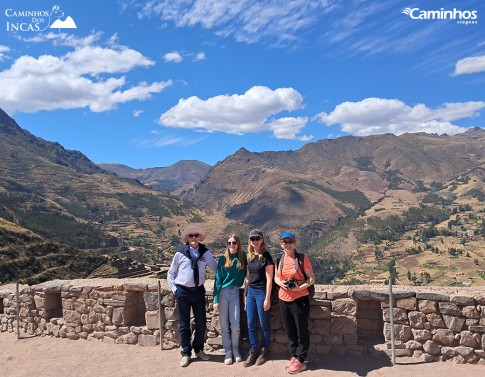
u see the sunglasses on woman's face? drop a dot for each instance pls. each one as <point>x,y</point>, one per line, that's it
<point>231,242</point>
<point>255,238</point>
<point>288,241</point>
<point>196,235</point>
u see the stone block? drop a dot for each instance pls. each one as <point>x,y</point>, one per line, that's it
<point>431,347</point>
<point>152,320</point>
<point>343,325</point>
<point>407,303</point>
<point>320,312</point>
<point>151,300</point>
<point>467,338</point>
<point>417,319</point>
<point>453,323</point>
<point>445,337</point>
<point>399,315</point>
<point>129,338</point>
<point>432,296</point>
<point>321,327</point>
<point>147,340</point>
<point>421,335</point>
<point>470,312</point>
<point>414,345</point>
<point>462,300</point>
<point>427,306</point>
<point>464,351</point>
<point>344,306</point>
<point>435,320</point>
<point>402,333</point>
<point>449,308</point>
<point>71,316</point>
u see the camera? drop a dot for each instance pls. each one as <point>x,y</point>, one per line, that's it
<point>291,283</point>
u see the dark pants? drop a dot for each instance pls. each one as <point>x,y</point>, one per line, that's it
<point>191,299</point>
<point>295,320</point>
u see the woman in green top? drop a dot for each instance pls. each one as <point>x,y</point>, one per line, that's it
<point>230,273</point>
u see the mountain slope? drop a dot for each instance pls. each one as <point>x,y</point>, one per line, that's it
<point>312,189</point>
<point>29,258</point>
<point>61,195</point>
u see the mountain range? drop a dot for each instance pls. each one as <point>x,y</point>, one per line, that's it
<point>162,178</point>
<point>62,196</point>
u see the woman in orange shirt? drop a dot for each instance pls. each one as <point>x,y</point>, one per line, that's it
<point>294,302</point>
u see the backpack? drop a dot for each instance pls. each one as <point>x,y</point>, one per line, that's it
<point>298,264</point>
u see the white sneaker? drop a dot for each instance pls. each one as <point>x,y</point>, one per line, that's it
<point>184,361</point>
<point>203,356</point>
<point>228,358</point>
<point>237,356</point>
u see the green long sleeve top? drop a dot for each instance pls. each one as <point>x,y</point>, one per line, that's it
<point>228,277</point>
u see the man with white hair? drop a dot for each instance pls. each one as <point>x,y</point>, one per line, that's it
<point>186,278</point>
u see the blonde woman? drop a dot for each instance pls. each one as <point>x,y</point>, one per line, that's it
<point>230,273</point>
<point>257,293</point>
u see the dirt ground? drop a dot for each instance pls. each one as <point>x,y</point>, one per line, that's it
<point>53,357</point>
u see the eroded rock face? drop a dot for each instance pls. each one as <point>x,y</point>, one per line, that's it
<point>433,323</point>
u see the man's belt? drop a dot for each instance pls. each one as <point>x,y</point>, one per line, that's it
<point>191,289</point>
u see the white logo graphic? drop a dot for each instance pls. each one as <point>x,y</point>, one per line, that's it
<point>38,20</point>
<point>467,17</point>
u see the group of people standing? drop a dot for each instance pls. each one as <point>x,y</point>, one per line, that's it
<point>256,270</point>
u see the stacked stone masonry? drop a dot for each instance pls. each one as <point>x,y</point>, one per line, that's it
<point>435,324</point>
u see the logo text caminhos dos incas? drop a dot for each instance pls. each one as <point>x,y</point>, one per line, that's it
<point>465,17</point>
<point>37,20</point>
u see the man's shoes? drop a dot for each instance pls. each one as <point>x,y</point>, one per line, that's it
<point>228,358</point>
<point>296,367</point>
<point>251,359</point>
<point>292,360</point>
<point>184,361</point>
<point>203,356</point>
<point>237,356</point>
<point>263,356</point>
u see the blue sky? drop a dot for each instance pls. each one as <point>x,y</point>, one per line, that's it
<point>149,83</point>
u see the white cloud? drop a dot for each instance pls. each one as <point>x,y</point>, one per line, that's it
<point>199,56</point>
<point>250,112</point>
<point>173,57</point>
<point>165,141</point>
<point>50,82</point>
<point>470,65</point>
<point>247,20</point>
<point>287,128</point>
<point>378,116</point>
<point>137,113</point>
<point>94,60</point>
<point>3,50</point>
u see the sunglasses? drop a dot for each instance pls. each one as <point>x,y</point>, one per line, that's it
<point>196,235</point>
<point>255,238</point>
<point>290,241</point>
<point>231,242</point>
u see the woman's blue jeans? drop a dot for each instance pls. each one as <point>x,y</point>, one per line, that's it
<point>229,318</point>
<point>254,310</point>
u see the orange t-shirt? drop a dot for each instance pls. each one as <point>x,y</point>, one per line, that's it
<point>288,270</point>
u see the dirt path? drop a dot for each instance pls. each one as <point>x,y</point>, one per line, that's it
<point>51,357</point>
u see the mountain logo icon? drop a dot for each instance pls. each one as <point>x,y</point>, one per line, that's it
<point>55,21</point>
<point>68,23</point>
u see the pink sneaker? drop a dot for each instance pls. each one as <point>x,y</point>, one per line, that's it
<point>296,367</point>
<point>289,363</point>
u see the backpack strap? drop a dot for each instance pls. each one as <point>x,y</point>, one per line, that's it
<point>280,260</point>
<point>301,260</point>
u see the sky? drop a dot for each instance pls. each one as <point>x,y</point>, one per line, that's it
<point>150,83</point>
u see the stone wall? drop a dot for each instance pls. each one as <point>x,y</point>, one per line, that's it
<point>436,324</point>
